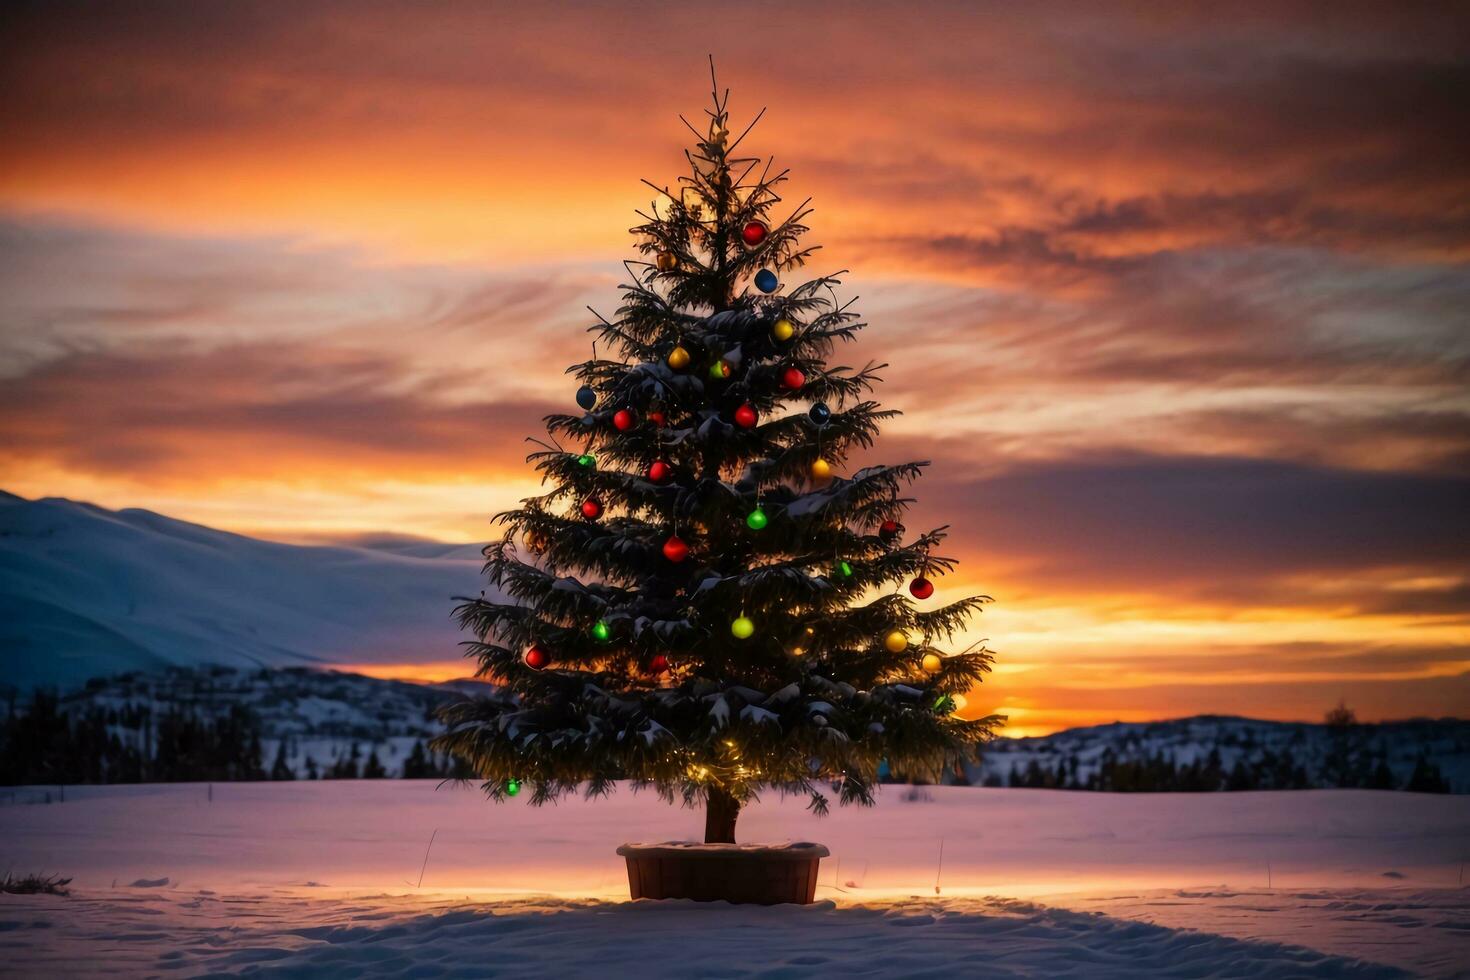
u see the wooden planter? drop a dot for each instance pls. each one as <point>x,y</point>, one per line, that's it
<point>740,873</point>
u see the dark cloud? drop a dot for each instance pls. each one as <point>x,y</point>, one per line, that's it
<point>272,410</point>
<point>1445,602</point>
<point>1269,216</point>
<point>1217,317</point>
<point>1194,525</point>
<point>1388,439</point>
<point>1309,662</point>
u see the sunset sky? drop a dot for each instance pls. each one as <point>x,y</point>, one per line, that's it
<point>1178,303</point>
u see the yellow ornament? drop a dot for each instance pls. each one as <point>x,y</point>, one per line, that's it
<point>931,662</point>
<point>783,329</point>
<point>897,641</point>
<point>666,261</point>
<point>678,358</point>
<point>960,703</point>
<point>821,469</point>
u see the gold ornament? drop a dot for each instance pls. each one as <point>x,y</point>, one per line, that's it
<point>783,329</point>
<point>821,469</point>
<point>666,261</point>
<point>960,703</point>
<point>931,662</point>
<point>896,641</point>
<point>678,358</point>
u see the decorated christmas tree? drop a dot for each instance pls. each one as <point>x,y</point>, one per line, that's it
<point>707,600</point>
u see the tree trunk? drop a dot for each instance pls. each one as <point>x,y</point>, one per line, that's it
<point>720,811</point>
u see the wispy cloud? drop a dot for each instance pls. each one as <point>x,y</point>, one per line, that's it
<point>1178,302</point>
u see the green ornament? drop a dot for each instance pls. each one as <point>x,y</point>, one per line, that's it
<point>512,787</point>
<point>587,460</point>
<point>720,370</point>
<point>757,519</point>
<point>844,569</point>
<point>601,632</point>
<point>944,705</point>
<point>742,628</point>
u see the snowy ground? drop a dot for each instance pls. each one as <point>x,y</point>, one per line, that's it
<point>321,879</point>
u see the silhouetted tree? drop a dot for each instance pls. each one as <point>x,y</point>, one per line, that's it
<point>1426,778</point>
<point>281,768</point>
<point>373,767</point>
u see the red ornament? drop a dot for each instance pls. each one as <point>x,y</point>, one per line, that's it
<point>658,418</point>
<point>592,508</point>
<point>659,471</point>
<point>921,588</point>
<point>745,416</point>
<point>675,550</point>
<point>536,658</point>
<point>754,233</point>
<point>888,530</point>
<point>658,663</point>
<point>623,420</point>
<point>792,379</point>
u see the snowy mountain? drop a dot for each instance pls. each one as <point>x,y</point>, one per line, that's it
<point>1209,752</point>
<point>88,592</point>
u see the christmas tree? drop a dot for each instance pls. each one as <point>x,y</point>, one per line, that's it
<point>702,602</point>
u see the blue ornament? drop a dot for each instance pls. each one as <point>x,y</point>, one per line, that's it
<point>586,397</point>
<point>819,413</point>
<point>766,281</point>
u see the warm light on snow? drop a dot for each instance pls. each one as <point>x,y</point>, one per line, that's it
<point>330,875</point>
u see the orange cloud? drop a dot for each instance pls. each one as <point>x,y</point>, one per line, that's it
<point>1175,301</point>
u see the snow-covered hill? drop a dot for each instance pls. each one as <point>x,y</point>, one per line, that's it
<point>315,722</point>
<point>87,592</point>
<point>1256,754</point>
<point>287,703</point>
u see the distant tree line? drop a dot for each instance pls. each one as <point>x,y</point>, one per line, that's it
<point>1160,773</point>
<point>1354,757</point>
<point>42,744</point>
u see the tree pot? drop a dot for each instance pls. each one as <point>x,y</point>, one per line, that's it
<point>749,874</point>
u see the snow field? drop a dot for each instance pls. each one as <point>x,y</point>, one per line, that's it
<point>321,879</point>
<point>387,936</point>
